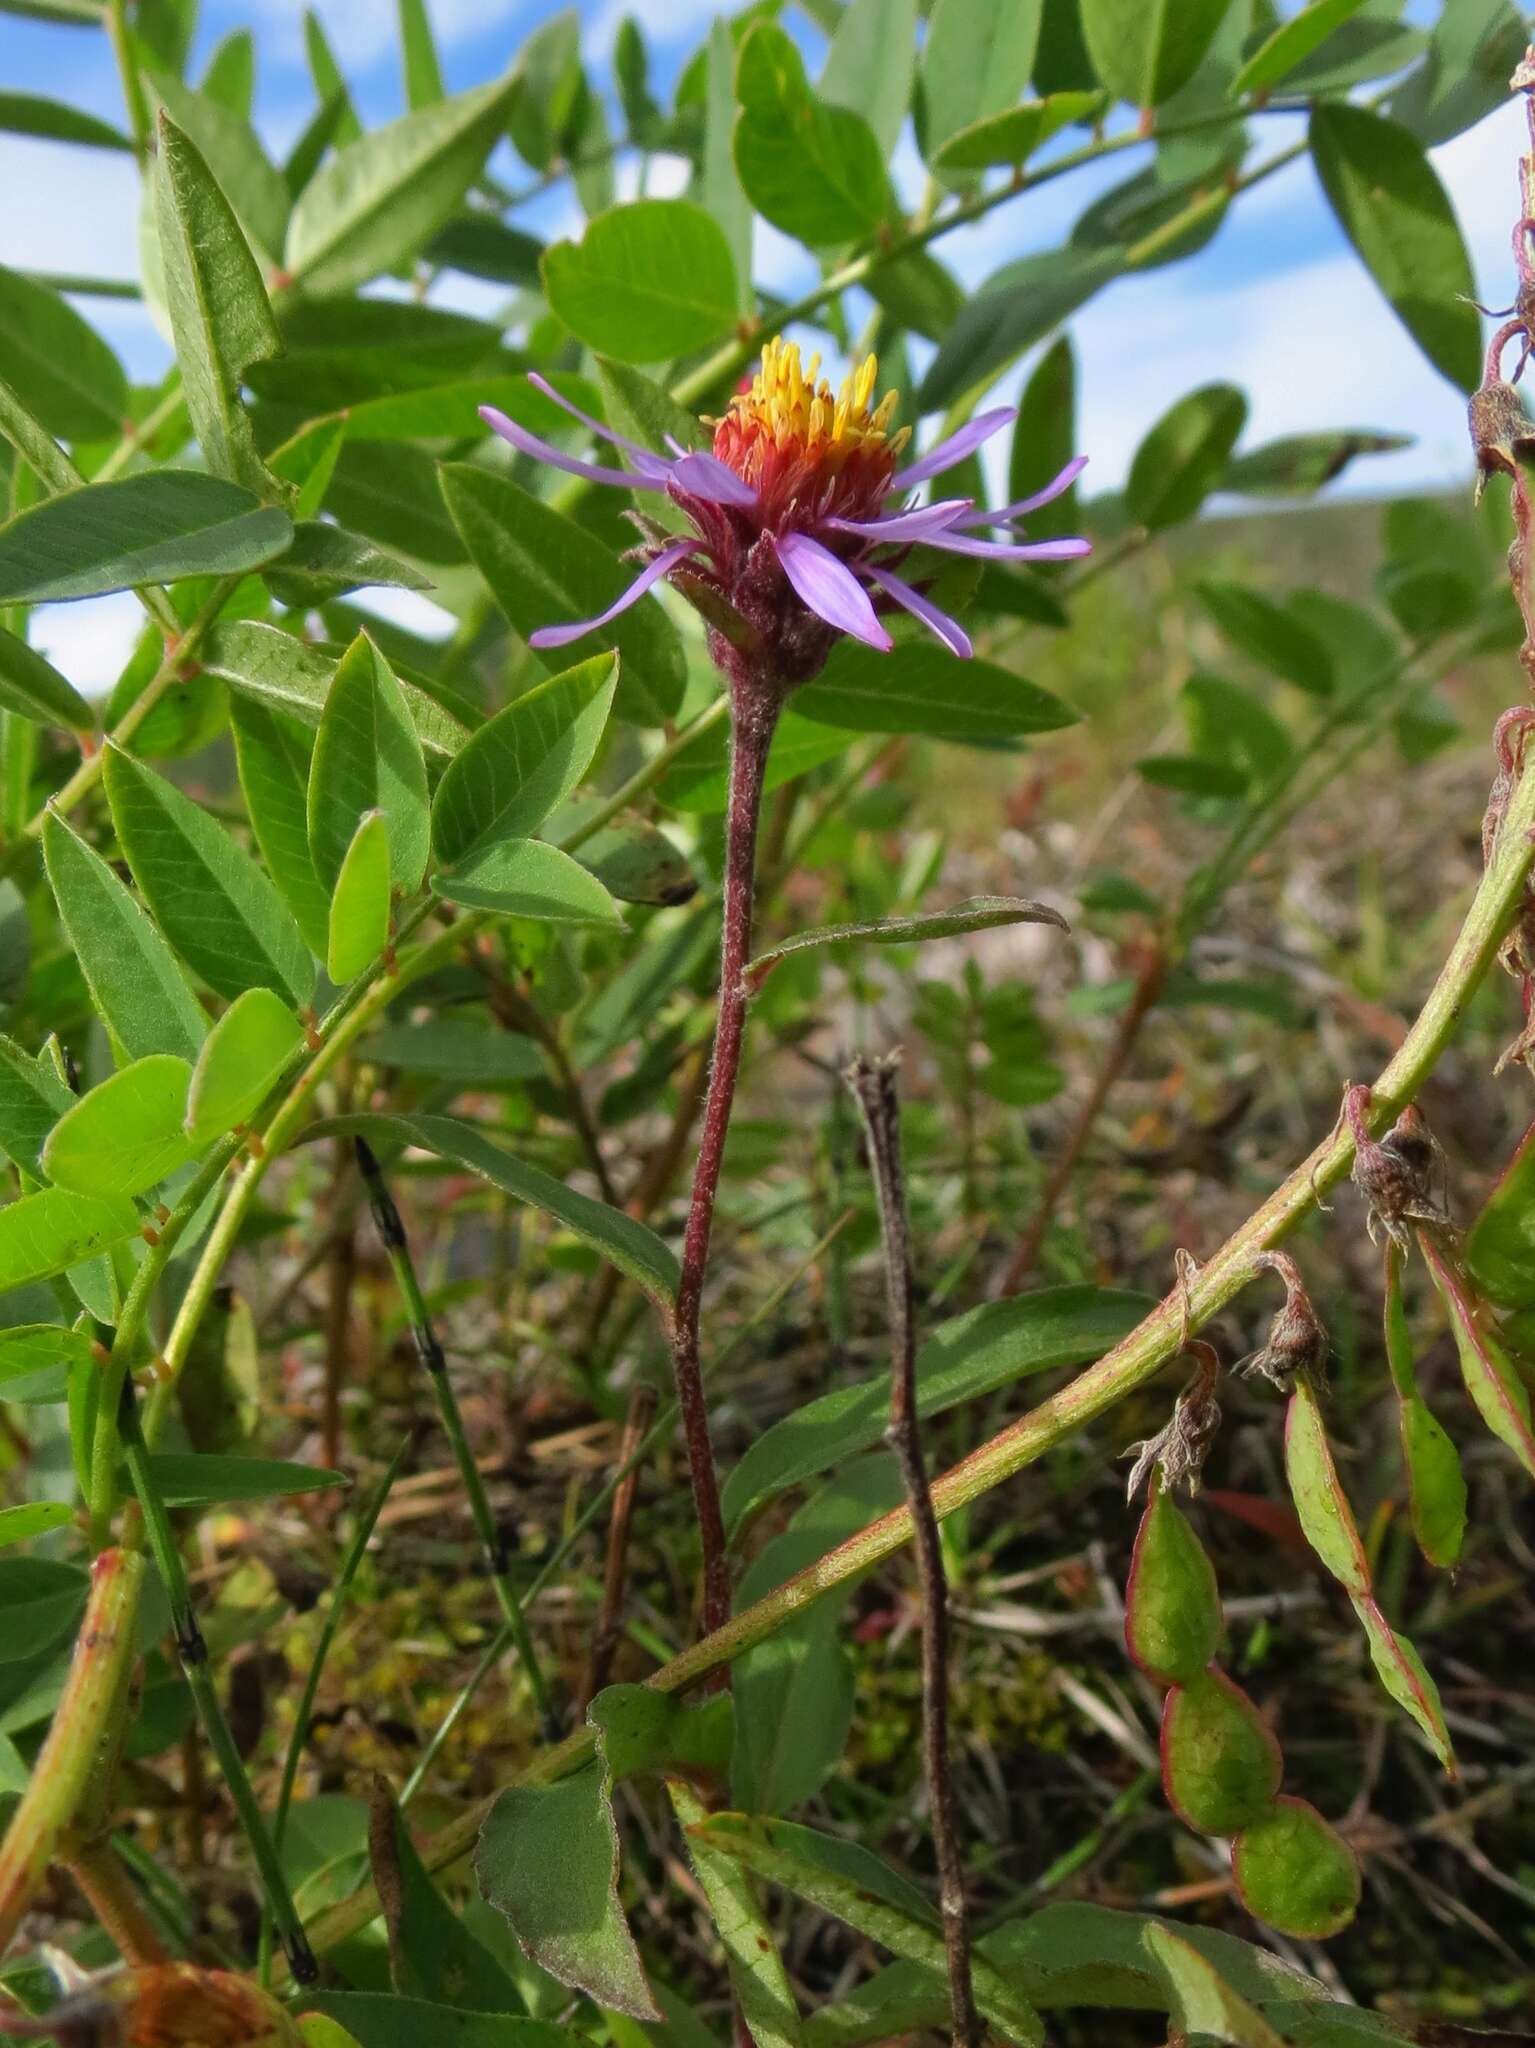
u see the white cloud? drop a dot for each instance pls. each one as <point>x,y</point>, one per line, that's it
<point>362,31</point>
<point>89,642</point>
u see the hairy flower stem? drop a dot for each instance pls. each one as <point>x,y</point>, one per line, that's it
<point>753,719</point>
<point>391,1230</point>
<point>193,1652</point>
<point>86,1723</point>
<point>873,1083</point>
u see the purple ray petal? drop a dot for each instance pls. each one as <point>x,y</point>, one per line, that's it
<point>949,631</point>
<point>651,463</point>
<point>1053,489</point>
<point>559,636</point>
<point>955,449</point>
<point>830,589</point>
<point>545,451</point>
<point>1010,550</point>
<point>914,524</point>
<point>705,476</point>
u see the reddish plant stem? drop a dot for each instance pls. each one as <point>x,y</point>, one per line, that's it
<point>642,1412</point>
<point>1143,1000</point>
<point>873,1085</point>
<point>754,715</point>
<point>116,1905</point>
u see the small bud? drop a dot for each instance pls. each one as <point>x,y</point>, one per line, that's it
<point>1502,433</point>
<point>1183,1445</point>
<point>1297,1340</point>
<point>1395,1175</point>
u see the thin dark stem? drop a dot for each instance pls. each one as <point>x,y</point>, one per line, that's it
<point>873,1083</point>
<point>193,1652</point>
<point>754,715</point>
<point>429,1350</point>
<point>642,1411</point>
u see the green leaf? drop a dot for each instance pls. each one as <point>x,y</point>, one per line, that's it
<point>1473,47</point>
<point>1268,634</point>
<point>976,61</point>
<point>478,1054</point>
<point>543,569</point>
<point>1491,1378</point>
<point>920,687</point>
<point>547,1858</point>
<point>1012,136</point>
<point>1220,1763</point>
<point>1021,304</point>
<point>1299,464</point>
<point>650,279</point>
<point>699,776</point>
<point>759,1847</point>
<point>186,1479</point>
<point>632,858</point>
<point>219,313</point>
<point>45,1234</point>
<point>1290,44</point>
<point>1183,457</point>
<point>719,188</point>
<point>246,1051</point>
<point>379,199</point>
<point>528,878</point>
<point>127,1133</point>
<point>418,52</point>
<point>1320,1501</point>
<point>214,903</point>
<point>640,1730</point>
<point>764,1995</point>
<point>230,77</point>
<point>37,1359</point>
<point>367,758</point>
<point>635,405</point>
<point>34,689</point>
<point>631,1247</point>
<point>377,2019</point>
<point>1499,1248</point>
<point>1200,2003</point>
<point>1146,54</point>
<point>158,527</point>
<point>307,460</point>
<point>273,754</point>
<point>814,171</point>
<point>57,364</point>
<point>480,245</point>
<point>969,1355</point>
<point>975,914</point>
<point>1401,1671</point>
<point>432,1952</point>
<point>286,674</point>
<point>138,990</point>
<point>1391,205</point>
<point>360,902</point>
<point>329,84</point>
<point>1172,1605</point>
<point>1044,439</point>
<point>1295,1872</point>
<point>549,87</point>
<point>235,159</point>
<point>523,762</point>
<point>918,293</point>
<point>41,1602</point>
<point>33,1096</point>
<point>326,562</point>
<point>36,1518</point>
<point>870,65</point>
<point>26,113</point>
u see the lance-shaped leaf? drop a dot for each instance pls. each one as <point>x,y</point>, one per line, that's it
<point>1436,1484</point>
<point>1220,1762</point>
<point>1401,1671</point>
<point>1172,1603</point>
<point>1146,54</point>
<point>432,1952</point>
<point>976,61</point>
<point>220,316</point>
<point>246,1051</point>
<point>211,899</point>
<point>830,185</point>
<point>975,914</point>
<point>1299,464</point>
<point>37,1358</point>
<point>29,113</point>
<point>650,279</point>
<point>775,1851</point>
<point>1200,2003</point>
<point>33,1096</point>
<point>529,878</point>
<point>57,363</point>
<point>1022,303</point>
<point>1295,1872</point>
<point>41,1600</point>
<point>1184,455</point>
<point>543,569</point>
<point>1269,634</point>
<point>1291,44</point>
<point>1391,205</point>
<point>1320,1501</point>
<point>367,757</point>
<point>634,1249</point>
<point>232,150</point>
<point>36,1518</point>
<point>139,991</point>
<point>548,1859</point>
<point>289,675</point>
<point>188,1479</point>
<point>523,762</point>
<point>763,1991</point>
<point>273,753</point>
<point>1491,1377</point>
<point>159,527</point>
<point>33,688</point>
<point>382,197</point>
<point>45,1234</point>
<point>870,64</point>
<point>917,688</point>
<point>1499,1248</point>
<point>127,1133</point>
<point>633,859</point>
<point>360,902</point>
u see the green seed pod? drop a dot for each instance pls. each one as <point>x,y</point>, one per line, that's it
<point>1172,1605</point>
<point>1220,1763</point>
<point>1295,1873</point>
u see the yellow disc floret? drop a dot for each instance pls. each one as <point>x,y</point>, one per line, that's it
<point>806,449</point>
<point>788,401</point>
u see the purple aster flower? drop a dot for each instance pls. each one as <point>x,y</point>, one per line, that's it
<point>802,523</point>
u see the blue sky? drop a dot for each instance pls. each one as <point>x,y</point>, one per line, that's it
<point>1277,303</point>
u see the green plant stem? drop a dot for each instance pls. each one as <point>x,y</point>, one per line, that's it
<point>134,439</point>
<point>1135,1359</point>
<point>193,1652</point>
<point>355,1550</point>
<point>391,1230</point>
<point>119,34</point>
<point>87,1719</point>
